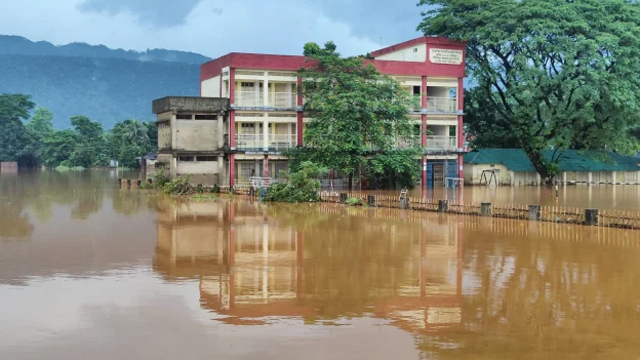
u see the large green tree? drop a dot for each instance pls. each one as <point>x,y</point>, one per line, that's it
<point>550,73</point>
<point>356,111</point>
<point>129,140</point>
<point>15,140</point>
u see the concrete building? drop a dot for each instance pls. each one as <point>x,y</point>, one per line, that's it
<point>190,137</point>
<point>251,111</point>
<point>513,167</point>
<point>266,110</point>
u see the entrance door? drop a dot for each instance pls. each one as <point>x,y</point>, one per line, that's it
<point>438,174</point>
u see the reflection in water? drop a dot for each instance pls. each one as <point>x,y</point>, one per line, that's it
<point>546,291</point>
<point>160,279</point>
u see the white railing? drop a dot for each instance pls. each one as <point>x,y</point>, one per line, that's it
<point>282,141</point>
<point>283,100</point>
<point>249,98</point>
<point>442,104</point>
<point>249,141</point>
<point>441,143</point>
<point>276,142</point>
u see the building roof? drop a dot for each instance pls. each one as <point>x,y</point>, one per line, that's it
<point>570,160</point>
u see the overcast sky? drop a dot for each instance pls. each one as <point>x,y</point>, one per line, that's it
<point>215,27</point>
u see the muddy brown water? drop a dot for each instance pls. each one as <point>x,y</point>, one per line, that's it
<point>87,269</point>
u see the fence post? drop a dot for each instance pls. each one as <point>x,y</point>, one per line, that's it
<point>371,200</point>
<point>128,183</point>
<point>485,209</point>
<point>534,213</point>
<point>443,205</point>
<point>139,183</point>
<point>591,217</point>
<point>404,202</point>
<point>343,198</point>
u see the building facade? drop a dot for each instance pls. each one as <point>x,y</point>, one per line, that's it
<point>266,113</point>
<point>190,137</point>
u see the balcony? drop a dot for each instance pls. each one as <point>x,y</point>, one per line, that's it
<point>415,104</point>
<point>442,105</point>
<point>441,143</point>
<point>434,143</point>
<point>255,99</point>
<point>275,142</point>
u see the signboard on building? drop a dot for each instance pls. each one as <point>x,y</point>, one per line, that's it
<point>445,56</point>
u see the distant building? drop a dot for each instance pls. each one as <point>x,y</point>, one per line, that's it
<point>191,137</point>
<point>513,167</point>
<point>265,112</point>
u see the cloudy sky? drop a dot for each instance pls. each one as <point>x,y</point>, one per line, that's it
<point>215,27</point>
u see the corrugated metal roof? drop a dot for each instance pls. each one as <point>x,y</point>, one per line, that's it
<point>570,160</point>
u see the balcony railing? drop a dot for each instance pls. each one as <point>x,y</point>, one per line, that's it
<point>249,98</point>
<point>441,143</point>
<point>282,100</point>
<point>434,143</point>
<point>442,105</point>
<point>275,142</point>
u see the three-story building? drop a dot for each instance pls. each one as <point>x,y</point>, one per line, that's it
<point>266,114</point>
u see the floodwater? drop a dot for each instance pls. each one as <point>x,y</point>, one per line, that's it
<point>622,197</point>
<point>89,270</point>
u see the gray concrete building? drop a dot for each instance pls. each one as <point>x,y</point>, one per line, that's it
<point>191,137</point>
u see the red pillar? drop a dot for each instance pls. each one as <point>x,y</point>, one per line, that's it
<point>460,125</point>
<point>232,127</point>
<point>232,169</point>
<point>423,97</point>
<point>300,114</point>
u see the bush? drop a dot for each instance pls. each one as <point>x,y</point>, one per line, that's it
<point>354,202</point>
<point>303,185</point>
<point>178,186</point>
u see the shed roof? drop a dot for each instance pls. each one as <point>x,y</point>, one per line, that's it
<point>570,160</point>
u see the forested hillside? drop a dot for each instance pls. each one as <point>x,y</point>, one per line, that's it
<point>107,89</point>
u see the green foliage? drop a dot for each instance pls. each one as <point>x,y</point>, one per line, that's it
<point>354,202</point>
<point>86,145</point>
<point>549,74</point>
<point>394,169</point>
<point>355,110</point>
<point>205,197</point>
<point>303,185</point>
<point>178,186</point>
<point>14,137</point>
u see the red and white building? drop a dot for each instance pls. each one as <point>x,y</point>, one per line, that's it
<point>266,115</point>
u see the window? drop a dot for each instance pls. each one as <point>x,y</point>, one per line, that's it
<point>185,158</point>
<point>416,90</point>
<point>183,117</point>
<point>207,158</point>
<point>206,117</point>
<point>452,131</point>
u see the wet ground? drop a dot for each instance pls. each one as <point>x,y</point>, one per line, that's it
<point>87,269</point>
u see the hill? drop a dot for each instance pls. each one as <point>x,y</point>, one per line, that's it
<point>104,84</point>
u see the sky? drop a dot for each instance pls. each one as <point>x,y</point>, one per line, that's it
<point>215,27</point>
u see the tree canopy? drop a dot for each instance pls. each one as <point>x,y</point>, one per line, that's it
<point>34,141</point>
<point>550,73</point>
<point>356,111</point>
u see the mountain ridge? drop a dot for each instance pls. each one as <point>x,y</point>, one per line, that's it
<point>103,84</point>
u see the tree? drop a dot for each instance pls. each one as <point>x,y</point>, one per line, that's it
<point>14,138</point>
<point>356,111</point>
<point>91,145</point>
<point>42,123</point>
<point>130,139</point>
<point>554,74</point>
